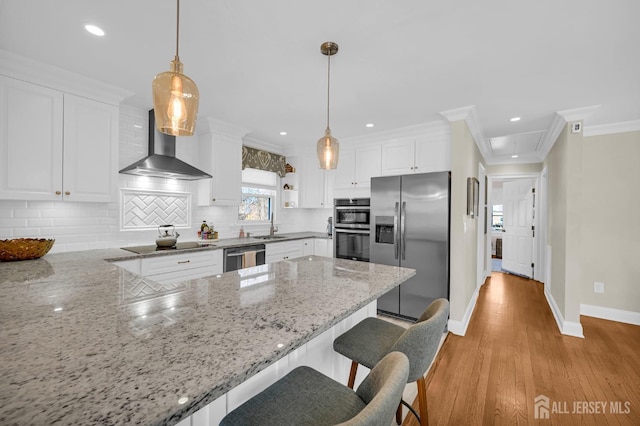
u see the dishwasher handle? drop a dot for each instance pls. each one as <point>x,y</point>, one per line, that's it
<point>241,253</point>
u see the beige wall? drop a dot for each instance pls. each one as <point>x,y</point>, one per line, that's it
<point>465,157</point>
<point>610,221</point>
<point>557,216</point>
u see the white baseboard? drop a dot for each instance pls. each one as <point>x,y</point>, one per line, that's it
<point>611,314</point>
<point>460,327</point>
<point>568,328</point>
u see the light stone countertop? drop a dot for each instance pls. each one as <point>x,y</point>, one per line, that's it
<point>220,244</point>
<point>85,342</point>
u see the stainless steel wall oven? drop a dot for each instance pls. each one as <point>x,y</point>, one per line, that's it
<point>351,218</point>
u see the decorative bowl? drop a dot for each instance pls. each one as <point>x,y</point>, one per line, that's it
<point>24,248</point>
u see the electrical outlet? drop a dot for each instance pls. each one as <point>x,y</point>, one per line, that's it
<point>598,287</point>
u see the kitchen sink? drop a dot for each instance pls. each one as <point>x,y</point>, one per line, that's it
<point>269,237</point>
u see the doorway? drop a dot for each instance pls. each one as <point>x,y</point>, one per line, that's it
<point>513,219</point>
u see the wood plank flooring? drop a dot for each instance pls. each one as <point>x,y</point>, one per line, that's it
<point>513,352</point>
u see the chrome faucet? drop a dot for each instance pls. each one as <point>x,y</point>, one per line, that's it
<point>272,229</point>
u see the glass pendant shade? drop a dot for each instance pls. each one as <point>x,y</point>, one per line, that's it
<point>175,101</point>
<point>328,151</point>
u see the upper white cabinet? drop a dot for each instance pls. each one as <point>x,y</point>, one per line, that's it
<point>221,153</point>
<point>312,186</point>
<point>56,146</point>
<point>356,167</point>
<point>90,160</point>
<point>415,155</point>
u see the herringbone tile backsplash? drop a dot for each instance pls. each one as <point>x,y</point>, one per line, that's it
<point>143,209</point>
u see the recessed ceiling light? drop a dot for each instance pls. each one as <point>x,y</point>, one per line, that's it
<point>283,133</point>
<point>369,125</point>
<point>515,119</point>
<point>514,156</point>
<point>95,30</point>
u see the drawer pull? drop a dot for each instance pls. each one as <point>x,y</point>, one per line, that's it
<point>183,261</point>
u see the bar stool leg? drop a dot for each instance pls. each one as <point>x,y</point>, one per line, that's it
<point>422,401</point>
<point>352,374</point>
<point>399,414</point>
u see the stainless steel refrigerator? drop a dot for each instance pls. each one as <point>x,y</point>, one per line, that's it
<point>410,228</point>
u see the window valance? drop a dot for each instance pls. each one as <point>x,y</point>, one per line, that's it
<point>263,160</point>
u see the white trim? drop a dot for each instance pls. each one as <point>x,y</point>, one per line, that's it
<point>566,327</point>
<point>611,314</point>
<point>434,128</point>
<point>608,129</point>
<point>550,138</point>
<point>470,116</point>
<point>576,114</point>
<point>26,69</point>
<point>460,327</point>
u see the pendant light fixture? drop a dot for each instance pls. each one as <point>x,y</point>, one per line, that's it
<point>175,96</point>
<point>328,146</point>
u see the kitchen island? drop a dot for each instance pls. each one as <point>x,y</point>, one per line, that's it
<point>86,342</point>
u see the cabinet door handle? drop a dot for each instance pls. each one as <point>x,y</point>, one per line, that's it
<point>213,199</point>
<point>58,192</point>
<point>67,193</point>
<point>183,261</point>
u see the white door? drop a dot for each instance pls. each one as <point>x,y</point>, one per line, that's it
<point>517,241</point>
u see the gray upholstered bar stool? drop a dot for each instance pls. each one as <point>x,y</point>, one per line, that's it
<point>307,397</point>
<point>372,338</point>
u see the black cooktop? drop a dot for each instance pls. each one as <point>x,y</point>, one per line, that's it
<point>153,249</point>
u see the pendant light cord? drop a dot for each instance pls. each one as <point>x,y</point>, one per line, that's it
<point>177,26</point>
<point>328,84</point>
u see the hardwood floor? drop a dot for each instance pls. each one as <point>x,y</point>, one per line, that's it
<point>513,352</point>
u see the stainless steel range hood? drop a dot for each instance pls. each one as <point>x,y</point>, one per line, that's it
<point>162,161</point>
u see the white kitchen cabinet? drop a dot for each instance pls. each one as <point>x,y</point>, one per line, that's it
<point>56,146</point>
<point>182,266</point>
<point>221,158</point>
<point>312,186</point>
<point>312,183</point>
<point>415,155</point>
<point>90,161</point>
<point>284,250</point>
<point>356,167</point>
<point>323,247</point>
<point>308,247</point>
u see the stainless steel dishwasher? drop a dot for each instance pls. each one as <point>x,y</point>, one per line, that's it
<point>234,256</point>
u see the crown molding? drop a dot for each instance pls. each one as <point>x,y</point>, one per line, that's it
<point>212,125</point>
<point>608,129</point>
<point>470,116</point>
<point>557,125</point>
<point>26,69</point>
<point>434,128</point>
<point>577,114</point>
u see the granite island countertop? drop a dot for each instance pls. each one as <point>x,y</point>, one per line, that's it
<point>85,342</point>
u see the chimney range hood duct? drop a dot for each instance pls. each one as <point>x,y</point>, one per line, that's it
<point>162,161</point>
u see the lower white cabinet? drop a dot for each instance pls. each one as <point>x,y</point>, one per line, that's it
<point>308,247</point>
<point>176,267</point>
<point>323,247</point>
<point>283,251</point>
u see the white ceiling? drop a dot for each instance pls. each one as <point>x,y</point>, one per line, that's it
<point>258,63</point>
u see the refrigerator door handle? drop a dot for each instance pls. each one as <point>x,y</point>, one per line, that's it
<point>403,228</point>
<point>395,230</point>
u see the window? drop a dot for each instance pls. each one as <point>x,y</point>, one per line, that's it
<point>496,217</point>
<point>258,196</point>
